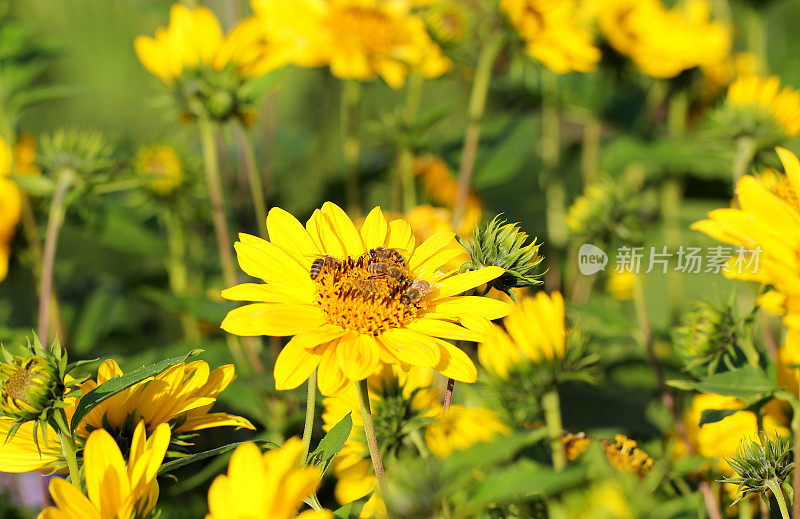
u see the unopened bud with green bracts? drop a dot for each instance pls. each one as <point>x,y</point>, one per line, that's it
<point>763,466</point>
<point>504,245</point>
<point>707,335</point>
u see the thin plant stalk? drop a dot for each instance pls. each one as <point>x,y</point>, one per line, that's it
<point>555,192</point>
<point>222,232</point>
<point>351,139</point>
<point>755,34</point>
<point>448,394</point>
<point>551,406</point>
<point>590,148</point>
<point>477,105</point>
<point>178,273</point>
<point>311,403</point>
<point>369,431</point>
<point>745,151</point>
<point>405,158</point>
<point>745,510</point>
<point>245,141</point>
<point>54,221</point>
<point>68,448</point>
<point>777,491</point>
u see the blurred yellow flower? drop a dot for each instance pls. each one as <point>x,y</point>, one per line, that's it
<point>721,439</point>
<point>603,500</point>
<point>271,485</point>
<point>664,42</point>
<point>322,288</point>
<point>553,34</point>
<point>721,74</point>
<point>10,206</point>
<point>357,39</point>
<point>442,186</point>
<point>534,331</point>
<point>788,355</point>
<point>766,96</point>
<point>181,396</point>
<point>194,39</point>
<point>161,164</point>
<point>769,220</point>
<point>621,285</point>
<point>399,397</point>
<point>20,453</point>
<point>25,156</point>
<point>113,490</point>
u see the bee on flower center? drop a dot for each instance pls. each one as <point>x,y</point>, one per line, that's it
<point>418,289</point>
<point>320,263</point>
<point>384,255</point>
<point>384,270</point>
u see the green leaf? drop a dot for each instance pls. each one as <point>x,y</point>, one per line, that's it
<point>524,478</point>
<point>350,510</point>
<point>489,453</point>
<point>715,415</point>
<point>331,444</point>
<point>111,387</point>
<point>508,157</point>
<point>192,458</point>
<point>35,185</point>
<point>746,383</point>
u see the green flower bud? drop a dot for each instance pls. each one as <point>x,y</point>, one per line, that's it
<point>503,244</point>
<point>29,386</point>
<point>762,466</point>
<point>82,153</point>
<point>707,334</point>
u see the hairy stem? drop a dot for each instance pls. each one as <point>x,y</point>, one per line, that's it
<point>311,403</point>
<point>477,104</point>
<point>552,417</point>
<point>775,487</point>
<point>54,221</point>
<point>369,431</point>
<point>68,448</point>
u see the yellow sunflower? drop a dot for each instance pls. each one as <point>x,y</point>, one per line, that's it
<point>553,33</point>
<point>768,220</point>
<point>10,206</point>
<point>271,485</point>
<point>664,42</point>
<point>357,39</point>
<point>162,166</point>
<point>20,453</point>
<point>766,96</point>
<point>354,300</point>
<point>194,39</point>
<point>398,399</point>
<point>534,331</point>
<point>114,490</point>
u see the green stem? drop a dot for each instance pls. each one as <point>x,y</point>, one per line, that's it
<point>773,485</point>
<point>405,166</point>
<point>311,400</point>
<point>419,443</point>
<point>590,150</point>
<point>477,105</point>
<point>555,192</point>
<point>253,179</point>
<point>178,273</point>
<point>350,119</point>
<point>796,472</point>
<point>68,448</point>
<point>222,232</point>
<point>552,417</point>
<point>745,152</point>
<point>54,220</point>
<point>369,431</point>
<point>745,509</point>
<point>672,200</point>
<point>755,34</point>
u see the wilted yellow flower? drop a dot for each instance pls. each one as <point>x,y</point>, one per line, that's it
<point>401,400</point>
<point>664,42</point>
<point>765,96</point>
<point>553,34</point>
<point>194,39</point>
<point>534,332</point>
<point>721,439</point>
<point>271,485</point>
<point>621,284</point>
<point>162,165</point>
<point>321,288</point>
<point>769,220</point>
<point>114,490</point>
<point>625,456</point>
<point>357,39</point>
<point>181,396</point>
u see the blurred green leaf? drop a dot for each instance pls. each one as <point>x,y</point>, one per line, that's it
<point>39,185</point>
<point>508,157</point>
<point>524,479</point>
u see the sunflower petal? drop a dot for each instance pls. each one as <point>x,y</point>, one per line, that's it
<point>288,233</point>
<point>443,329</point>
<point>455,364</point>
<point>294,365</point>
<point>279,319</point>
<point>358,356</point>
<point>373,231</point>
<point>411,347</point>
<point>460,283</point>
<point>344,229</point>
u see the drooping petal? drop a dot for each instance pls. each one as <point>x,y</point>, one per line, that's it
<point>411,347</point>
<point>330,377</point>
<point>455,364</point>
<point>294,365</point>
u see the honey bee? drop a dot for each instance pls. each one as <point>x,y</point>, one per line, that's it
<point>382,254</point>
<point>320,263</point>
<point>380,269</point>
<point>415,292</point>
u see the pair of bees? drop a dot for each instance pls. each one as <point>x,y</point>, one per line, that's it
<point>384,263</point>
